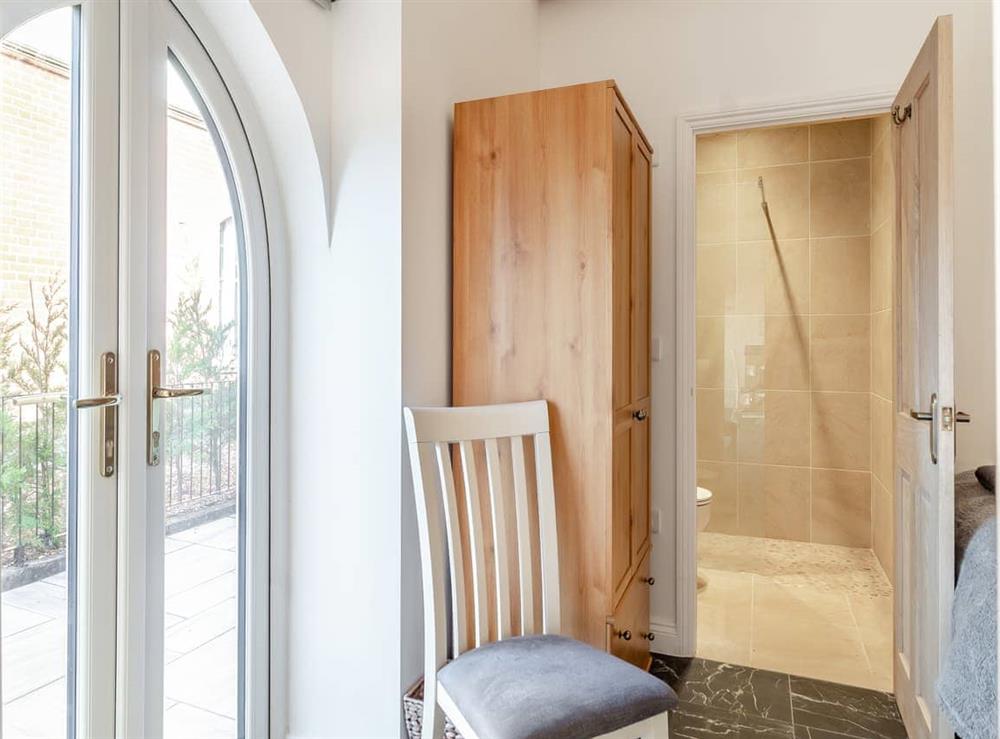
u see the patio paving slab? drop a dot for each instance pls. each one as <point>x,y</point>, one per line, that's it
<point>200,642</point>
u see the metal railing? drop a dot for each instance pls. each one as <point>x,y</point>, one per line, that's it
<point>201,451</point>
<point>33,476</point>
<point>201,464</point>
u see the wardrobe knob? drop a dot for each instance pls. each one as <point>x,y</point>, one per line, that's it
<point>649,636</point>
<point>650,581</point>
<point>624,635</point>
<point>640,415</point>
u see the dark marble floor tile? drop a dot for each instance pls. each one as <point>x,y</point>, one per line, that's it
<point>846,710</point>
<point>804,732</point>
<point>691,721</point>
<point>743,691</point>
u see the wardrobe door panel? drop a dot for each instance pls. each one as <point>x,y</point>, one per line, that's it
<point>621,504</point>
<point>621,232</point>
<point>640,272</point>
<point>639,480</point>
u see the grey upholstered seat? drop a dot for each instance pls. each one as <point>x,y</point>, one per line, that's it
<point>551,687</point>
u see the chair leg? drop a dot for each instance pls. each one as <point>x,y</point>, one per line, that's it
<point>433,718</point>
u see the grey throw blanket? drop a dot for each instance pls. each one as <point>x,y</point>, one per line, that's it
<point>974,505</point>
<point>967,689</point>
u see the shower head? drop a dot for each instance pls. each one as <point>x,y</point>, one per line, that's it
<point>767,212</point>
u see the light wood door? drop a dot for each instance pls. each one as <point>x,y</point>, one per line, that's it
<point>621,502</point>
<point>629,637</point>
<point>640,272</point>
<point>924,471</point>
<point>621,253</point>
<point>639,480</point>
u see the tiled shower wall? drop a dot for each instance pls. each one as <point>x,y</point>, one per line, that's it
<point>785,390</point>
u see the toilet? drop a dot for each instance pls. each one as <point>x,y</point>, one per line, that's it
<point>704,507</point>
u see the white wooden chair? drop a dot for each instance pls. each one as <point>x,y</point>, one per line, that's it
<point>529,682</point>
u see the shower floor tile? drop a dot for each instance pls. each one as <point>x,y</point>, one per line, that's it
<point>814,610</point>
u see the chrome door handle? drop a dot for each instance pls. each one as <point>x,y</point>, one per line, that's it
<point>640,415</point>
<point>931,416</point>
<point>105,401</point>
<point>166,393</point>
<point>108,405</point>
<point>158,392</point>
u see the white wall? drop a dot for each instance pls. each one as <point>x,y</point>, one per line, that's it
<point>672,58</point>
<point>301,31</point>
<point>443,63</point>
<point>368,314</point>
<point>344,338</point>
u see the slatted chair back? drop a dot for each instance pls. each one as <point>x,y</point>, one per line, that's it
<point>486,517</point>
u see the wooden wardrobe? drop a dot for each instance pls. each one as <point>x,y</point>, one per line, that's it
<point>551,300</point>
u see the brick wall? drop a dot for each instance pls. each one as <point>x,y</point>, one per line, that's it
<point>34,171</point>
<point>35,189</point>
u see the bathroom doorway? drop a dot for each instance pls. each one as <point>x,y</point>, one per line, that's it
<point>793,386</point>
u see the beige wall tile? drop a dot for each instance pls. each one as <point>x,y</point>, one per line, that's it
<point>710,334</point>
<point>882,354</point>
<point>715,213</point>
<point>769,352</point>
<point>840,139</point>
<point>716,430</point>
<point>882,533</point>
<point>880,128</point>
<point>715,291</point>
<point>746,351</point>
<point>840,195</point>
<point>839,275</point>
<point>772,285</point>
<point>787,190</point>
<point>839,359</point>
<point>882,441</point>
<point>786,353</point>
<point>881,260</point>
<point>715,151</point>
<point>761,147</point>
<point>882,183</point>
<point>841,508</point>
<point>841,428</point>
<point>774,428</point>
<point>774,501</point>
<point>720,478</point>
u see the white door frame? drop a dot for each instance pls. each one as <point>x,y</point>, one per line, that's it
<point>149,32</point>
<point>97,233</point>
<point>681,637</point>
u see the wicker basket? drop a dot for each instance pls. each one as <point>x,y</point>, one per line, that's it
<point>413,711</point>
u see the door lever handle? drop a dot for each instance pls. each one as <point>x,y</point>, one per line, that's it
<point>108,405</point>
<point>158,392</point>
<point>166,393</point>
<point>962,417</point>
<point>931,416</point>
<point>104,401</point>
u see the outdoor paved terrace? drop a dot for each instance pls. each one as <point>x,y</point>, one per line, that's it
<point>201,610</point>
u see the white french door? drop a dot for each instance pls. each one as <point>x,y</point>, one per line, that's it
<point>133,299</point>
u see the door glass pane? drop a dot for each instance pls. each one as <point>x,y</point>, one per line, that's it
<point>37,478</point>
<point>201,440</point>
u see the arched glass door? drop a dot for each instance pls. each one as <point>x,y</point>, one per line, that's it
<point>133,412</point>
